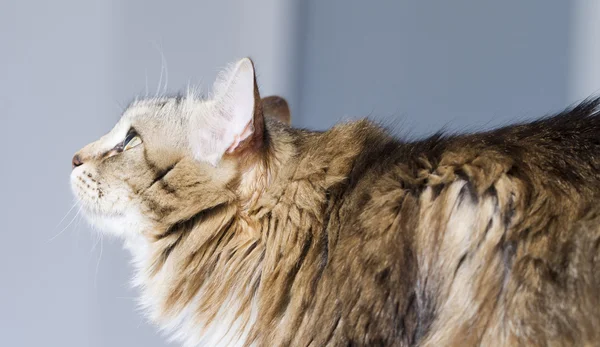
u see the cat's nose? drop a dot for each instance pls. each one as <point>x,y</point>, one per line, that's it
<point>76,161</point>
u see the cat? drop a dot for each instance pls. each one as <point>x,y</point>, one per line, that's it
<point>247,231</point>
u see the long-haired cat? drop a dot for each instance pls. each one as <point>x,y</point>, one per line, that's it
<point>246,231</point>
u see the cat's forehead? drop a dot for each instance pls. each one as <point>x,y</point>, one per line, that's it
<point>155,108</point>
<point>161,113</point>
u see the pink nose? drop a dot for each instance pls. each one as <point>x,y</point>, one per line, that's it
<point>76,161</point>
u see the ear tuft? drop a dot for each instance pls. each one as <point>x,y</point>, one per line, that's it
<point>229,119</point>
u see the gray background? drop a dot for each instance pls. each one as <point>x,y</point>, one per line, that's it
<point>68,68</point>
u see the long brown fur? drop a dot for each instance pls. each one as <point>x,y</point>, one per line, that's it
<point>349,241</point>
<point>351,237</point>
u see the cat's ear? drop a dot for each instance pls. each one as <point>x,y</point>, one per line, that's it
<point>235,120</point>
<point>276,107</point>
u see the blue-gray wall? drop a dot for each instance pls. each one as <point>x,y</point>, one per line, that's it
<point>433,63</point>
<point>69,67</point>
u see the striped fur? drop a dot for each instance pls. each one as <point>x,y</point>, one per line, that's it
<point>352,237</point>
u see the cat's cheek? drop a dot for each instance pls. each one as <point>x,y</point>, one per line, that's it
<point>114,199</point>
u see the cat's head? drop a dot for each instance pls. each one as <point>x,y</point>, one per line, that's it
<point>169,158</point>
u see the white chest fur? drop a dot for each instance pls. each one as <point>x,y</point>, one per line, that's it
<point>187,326</point>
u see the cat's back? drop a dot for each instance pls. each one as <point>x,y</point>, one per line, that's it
<point>488,238</point>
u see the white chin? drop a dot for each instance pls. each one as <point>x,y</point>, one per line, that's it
<point>119,225</point>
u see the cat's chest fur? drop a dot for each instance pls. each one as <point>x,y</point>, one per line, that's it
<point>185,326</point>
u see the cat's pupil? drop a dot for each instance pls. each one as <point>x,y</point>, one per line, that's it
<point>130,135</point>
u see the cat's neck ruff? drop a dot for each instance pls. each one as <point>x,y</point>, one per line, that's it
<point>183,326</point>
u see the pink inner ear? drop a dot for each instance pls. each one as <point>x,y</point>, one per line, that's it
<point>248,130</point>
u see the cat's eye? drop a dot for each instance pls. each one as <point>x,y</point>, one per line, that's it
<point>135,141</point>
<point>131,140</point>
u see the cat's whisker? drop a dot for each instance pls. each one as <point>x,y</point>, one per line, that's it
<point>65,228</point>
<point>146,76</point>
<point>77,223</point>
<point>98,262</point>
<point>66,214</point>
<point>95,244</point>
<point>159,83</point>
<point>120,107</point>
<point>162,68</point>
<point>166,67</point>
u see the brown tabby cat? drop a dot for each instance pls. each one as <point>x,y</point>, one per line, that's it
<point>245,231</point>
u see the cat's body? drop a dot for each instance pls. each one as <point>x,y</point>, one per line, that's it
<point>350,237</point>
